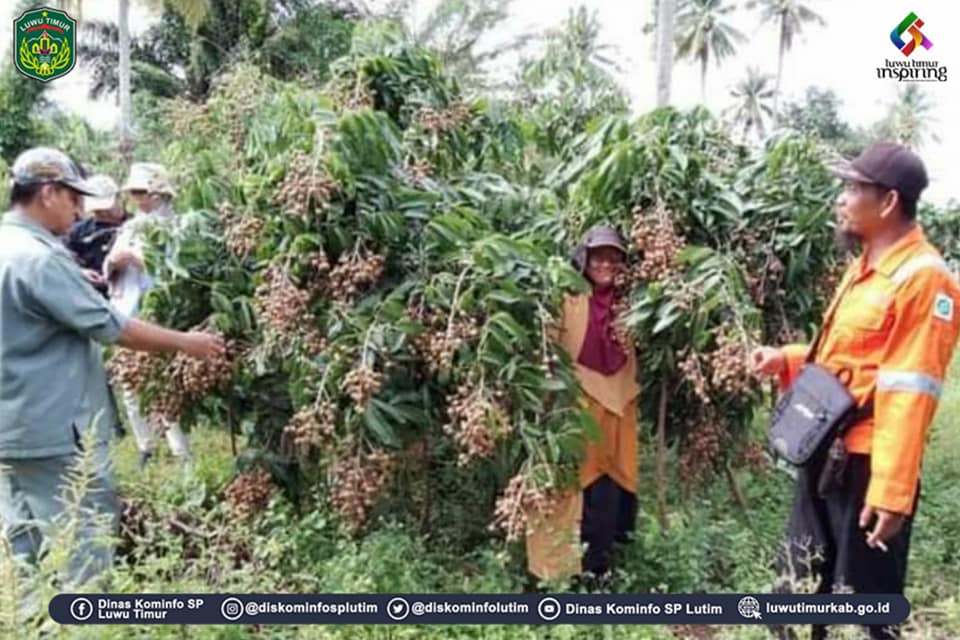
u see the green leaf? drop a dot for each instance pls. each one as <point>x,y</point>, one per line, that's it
<point>378,425</point>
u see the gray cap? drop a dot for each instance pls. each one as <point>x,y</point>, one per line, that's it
<point>41,165</point>
<point>604,236</point>
<point>601,235</point>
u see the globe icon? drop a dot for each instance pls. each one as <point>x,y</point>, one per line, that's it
<point>749,607</point>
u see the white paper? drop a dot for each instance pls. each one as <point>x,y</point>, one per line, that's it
<point>126,290</point>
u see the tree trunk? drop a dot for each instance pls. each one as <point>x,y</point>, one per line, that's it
<point>776,89</point>
<point>703,80</point>
<point>665,23</point>
<point>662,457</point>
<point>233,431</point>
<point>126,117</point>
<point>735,489</point>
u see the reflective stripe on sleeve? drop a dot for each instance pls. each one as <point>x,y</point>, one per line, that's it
<point>909,381</point>
<point>919,263</point>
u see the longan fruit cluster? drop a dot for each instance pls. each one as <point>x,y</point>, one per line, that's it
<point>133,370</point>
<point>443,120</point>
<point>420,171</point>
<point>355,272</point>
<point>249,493</point>
<point>520,501</point>
<point>729,367</point>
<point>438,347</point>
<point>692,370</point>
<point>656,238</point>
<point>476,422</point>
<point>358,482</point>
<point>311,427</point>
<point>280,304</point>
<point>702,451</point>
<point>362,383</point>
<point>241,234</point>
<point>190,119</point>
<point>305,185</point>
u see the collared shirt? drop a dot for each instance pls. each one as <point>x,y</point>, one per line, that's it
<point>893,332</point>
<point>53,385</point>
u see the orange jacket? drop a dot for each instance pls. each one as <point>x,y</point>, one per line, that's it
<point>895,328</point>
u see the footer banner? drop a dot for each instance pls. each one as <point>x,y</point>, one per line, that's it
<point>478,609</point>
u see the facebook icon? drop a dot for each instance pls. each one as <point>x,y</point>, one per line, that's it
<point>81,609</point>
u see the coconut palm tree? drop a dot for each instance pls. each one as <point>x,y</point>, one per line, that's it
<point>666,14</point>
<point>789,16</point>
<point>288,39</point>
<point>193,11</point>
<point>909,120</point>
<point>753,95</point>
<point>704,33</point>
<point>126,104</point>
<point>459,31</point>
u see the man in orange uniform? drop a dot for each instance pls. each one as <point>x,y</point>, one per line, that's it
<point>893,325</point>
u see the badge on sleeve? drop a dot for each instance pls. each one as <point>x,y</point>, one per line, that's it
<point>943,307</point>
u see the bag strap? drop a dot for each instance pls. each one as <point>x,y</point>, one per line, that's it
<point>866,410</point>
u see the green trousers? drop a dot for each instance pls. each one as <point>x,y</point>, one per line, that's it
<point>33,505</point>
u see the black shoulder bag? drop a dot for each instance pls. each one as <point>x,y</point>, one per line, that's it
<point>816,410</point>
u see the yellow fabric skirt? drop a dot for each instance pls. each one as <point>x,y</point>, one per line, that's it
<point>553,541</point>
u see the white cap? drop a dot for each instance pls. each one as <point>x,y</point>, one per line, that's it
<point>108,187</point>
<point>150,177</point>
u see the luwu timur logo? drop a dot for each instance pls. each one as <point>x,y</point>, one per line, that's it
<point>908,39</point>
<point>911,26</point>
<point>44,43</point>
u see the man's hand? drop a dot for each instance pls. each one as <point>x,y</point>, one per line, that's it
<point>93,277</point>
<point>888,525</point>
<point>767,361</point>
<point>122,259</point>
<point>202,346</point>
<point>145,336</point>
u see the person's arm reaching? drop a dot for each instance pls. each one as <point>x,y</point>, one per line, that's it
<point>58,290</point>
<point>144,336</point>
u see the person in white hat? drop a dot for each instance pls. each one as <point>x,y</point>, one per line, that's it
<point>91,237</point>
<point>150,188</point>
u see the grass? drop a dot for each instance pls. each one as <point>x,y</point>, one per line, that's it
<point>189,543</point>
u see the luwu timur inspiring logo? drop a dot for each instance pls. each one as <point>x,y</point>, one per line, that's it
<point>44,43</point>
<point>908,39</point>
<point>911,26</point>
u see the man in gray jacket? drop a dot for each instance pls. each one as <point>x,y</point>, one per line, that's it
<point>54,397</point>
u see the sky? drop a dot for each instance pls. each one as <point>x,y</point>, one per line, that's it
<point>843,55</point>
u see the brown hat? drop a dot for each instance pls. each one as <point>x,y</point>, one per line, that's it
<point>888,165</point>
